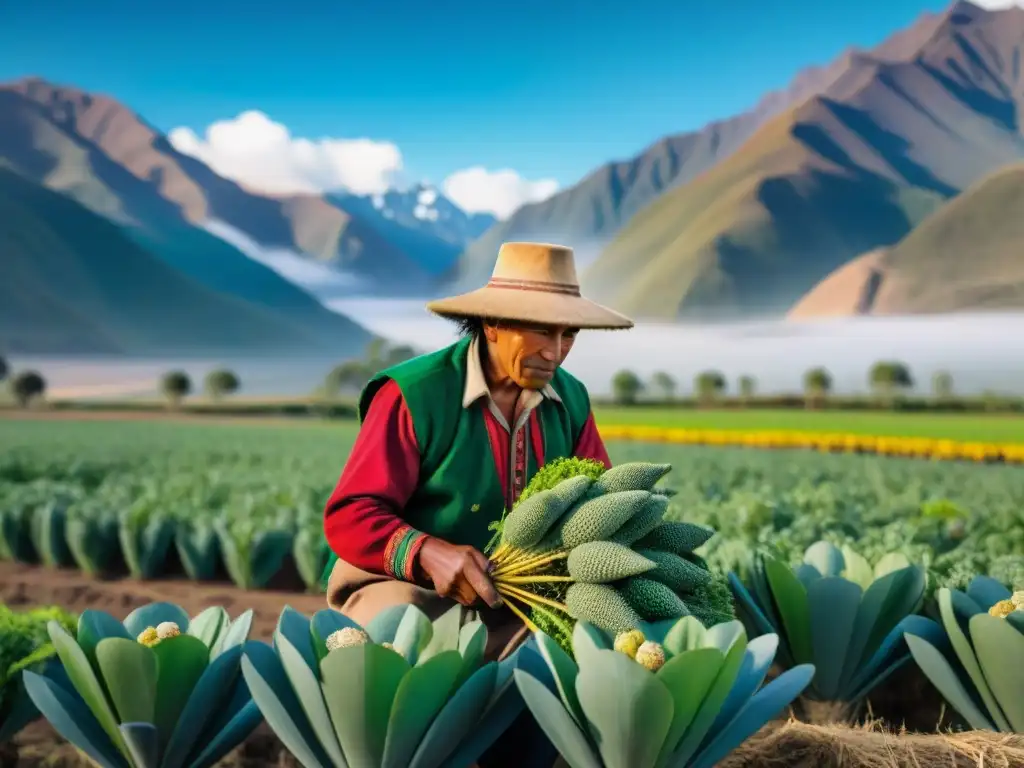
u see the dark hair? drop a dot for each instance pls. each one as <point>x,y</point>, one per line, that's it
<point>468,326</point>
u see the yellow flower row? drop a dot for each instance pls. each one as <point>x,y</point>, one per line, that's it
<point>919,447</point>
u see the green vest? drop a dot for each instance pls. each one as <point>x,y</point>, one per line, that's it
<point>459,495</point>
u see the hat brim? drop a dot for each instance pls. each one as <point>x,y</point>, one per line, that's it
<point>530,307</point>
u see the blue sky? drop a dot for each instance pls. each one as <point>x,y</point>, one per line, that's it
<point>549,88</point>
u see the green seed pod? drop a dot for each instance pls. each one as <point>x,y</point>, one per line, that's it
<point>632,476</point>
<point>598,518</point>
<point>531,520</point>
<point>643,522</point>
<point>602,606</point>
<point>598,562</point>
<point>653,600</point>
<point>676,537</point>
<point>680,575</point>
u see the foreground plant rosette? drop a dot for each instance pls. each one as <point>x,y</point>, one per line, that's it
<point>403,692</point>
<point>160,690</point>
<point>665,695</point>
<point>24,645</point>
<point>837,612</point>
<point>588,544</point>
<point>979,669</point>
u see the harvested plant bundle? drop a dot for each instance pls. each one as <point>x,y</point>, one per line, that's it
<point>979,666</point>
<point>588,544</point>
<point>667,695</point>
<point>838,613</point>
<point>403,692</point>
<point>24,645</point>
<point>159,690</point>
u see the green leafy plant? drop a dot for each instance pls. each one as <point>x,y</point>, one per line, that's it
<point>159,690</point>
<point>403,692</point>
<point>683,698</point>
<point>24,645</point>
<point>837,612</point>
<point>978,666</point>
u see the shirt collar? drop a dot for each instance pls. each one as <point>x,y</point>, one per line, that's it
<point>476,383</point>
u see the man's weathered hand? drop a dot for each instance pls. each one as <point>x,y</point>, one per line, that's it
<point>458,572</point>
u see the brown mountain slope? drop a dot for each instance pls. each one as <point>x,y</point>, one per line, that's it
<point>71,282</point>
<point>589,213</point>
<point>99,124</point>
<point>835,177</point>
<point>968,255</point>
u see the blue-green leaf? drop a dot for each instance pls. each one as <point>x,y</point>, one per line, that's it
<point>72,720</point>
<point>420,696</point>
<point>826,558</point>
<point>947,682</point>
<point>209,694</point>
<point>306,685</point>
<point>629,710</point>
<point>143,742</point>
<point>359,685</point>
<point>268,683</point>
<point>1000,650</point>
<point>950,608</point>
<point>458,717</point>
<point>129,670</point>
<point>833,604</point>
<point>556,723</point>
<point>986,591</point>
<point>414,635</point>
<point>81,675</point>
<point>762,708</point>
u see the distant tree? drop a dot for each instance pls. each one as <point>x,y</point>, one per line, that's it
<point>175,386</point>
<point>626,387</point>
<point>352,375</point>
<point>376,354</point>
<point>399,354</point>
<point>817,385</point>
<point>709,385</point>
<point>665,383</point>
<point>221,382</point>
<point>748,386</point>
<point>27,386</point>
<point>4,369</point>
<point>942,385</point>
<point>888,378</point>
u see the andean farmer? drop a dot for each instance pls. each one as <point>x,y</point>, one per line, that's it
<point>448,440</point>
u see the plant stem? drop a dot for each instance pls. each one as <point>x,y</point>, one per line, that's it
<point>530,597</point>
<point>539,579</point>
<point>523,617</point>
<point>526,565</point>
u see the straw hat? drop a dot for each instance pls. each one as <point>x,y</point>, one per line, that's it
<point>532,283</point>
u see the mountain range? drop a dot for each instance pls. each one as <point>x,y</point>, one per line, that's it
<point>745,216</point>
<point>864,187</point>
<point>105,162</point>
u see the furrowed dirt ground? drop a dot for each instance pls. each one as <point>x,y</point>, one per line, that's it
<point>784,743</point>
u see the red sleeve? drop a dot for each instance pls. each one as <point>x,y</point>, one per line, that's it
<point>362,519</point>
<point>590,445</point>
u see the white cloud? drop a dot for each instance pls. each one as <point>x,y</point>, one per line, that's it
<point>477,190</point>
<point>998,5</point>
<point>319,279</point>
<point>263,155</point>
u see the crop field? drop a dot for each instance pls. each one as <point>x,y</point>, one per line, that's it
<point>211,502</point>
<point>998,428</point>
<point>218,527</point>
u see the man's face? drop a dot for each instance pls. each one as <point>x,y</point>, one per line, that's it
<point>530,354</point>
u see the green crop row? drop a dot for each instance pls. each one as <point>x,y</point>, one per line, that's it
<point>246,502</point>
